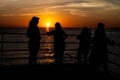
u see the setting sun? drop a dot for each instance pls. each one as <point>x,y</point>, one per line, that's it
<point>47,26</point>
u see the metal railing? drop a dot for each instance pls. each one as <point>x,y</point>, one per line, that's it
<point>2,50</point>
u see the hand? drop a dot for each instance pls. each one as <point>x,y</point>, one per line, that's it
<point>47,33</point>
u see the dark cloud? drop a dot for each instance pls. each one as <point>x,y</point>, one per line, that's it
<point>115,2</point>
<point>39,6</point>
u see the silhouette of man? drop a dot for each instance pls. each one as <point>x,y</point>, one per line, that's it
<point>33,34</point>
<point>84,45</point>
<point>99,56</point>
<point>59,42</point>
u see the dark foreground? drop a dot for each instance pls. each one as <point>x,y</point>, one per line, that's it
<point>52,71</point>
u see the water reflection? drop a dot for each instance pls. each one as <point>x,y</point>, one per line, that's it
<point>46,52</point>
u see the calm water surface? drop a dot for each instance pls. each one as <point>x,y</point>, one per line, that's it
<point>46,49</point>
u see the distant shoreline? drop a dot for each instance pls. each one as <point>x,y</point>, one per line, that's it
<point>1,27</point>
<point>53,27</point>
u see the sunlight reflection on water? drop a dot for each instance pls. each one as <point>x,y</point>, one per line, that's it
<point>48,52</point>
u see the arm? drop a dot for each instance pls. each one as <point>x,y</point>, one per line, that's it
<point>50,33</point>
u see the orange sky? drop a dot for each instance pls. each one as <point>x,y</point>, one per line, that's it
<point>70,13</point>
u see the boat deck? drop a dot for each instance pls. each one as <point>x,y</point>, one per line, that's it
<point>54,71</point>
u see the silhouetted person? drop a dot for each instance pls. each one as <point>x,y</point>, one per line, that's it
<point>59,42</point>
<point>33,34</point>
<point>99,56</point>
<point>84,45</point>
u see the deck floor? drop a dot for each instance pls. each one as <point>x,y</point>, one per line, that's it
<point>52,71</point>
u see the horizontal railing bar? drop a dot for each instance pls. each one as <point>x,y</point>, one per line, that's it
<point>4,33</point>
<point>114,63</point>
<point>7,42</point>
<point>40,42</point>
<point>40,50</point>
<point>16,33</point>
<point>117,43</point>
<point>113,53</point>
<point>25,34</point>
<point>69,56</point>
<point>28,57</point>
<point>24,58</point>
<point>113,72</point>
<point>50,49</point>
<point>22,42</point>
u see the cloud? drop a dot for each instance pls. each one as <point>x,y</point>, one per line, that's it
<point>73,7</point>
<point>115,2</point>
<point>81,7</point>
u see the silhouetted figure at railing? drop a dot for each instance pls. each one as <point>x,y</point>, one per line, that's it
<point>84,46</point>
<point>98,57</point>
<point>33,34</point>
<point>59,42</point>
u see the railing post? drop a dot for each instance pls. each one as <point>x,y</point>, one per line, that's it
<point>2,47</point>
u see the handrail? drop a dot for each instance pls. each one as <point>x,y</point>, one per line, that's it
<point>2,37</point>
<point>68,55</point>
<point>118,44</point>
<point>114,53</point>
<point>40,49</point>
<point>116,74</point>
<point>114,63</point>
<point>40,42</point>
<point>25,34</point>
<point>2,41</point>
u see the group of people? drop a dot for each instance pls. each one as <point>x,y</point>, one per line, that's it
<point>95,47</point>
<point>33,33</point>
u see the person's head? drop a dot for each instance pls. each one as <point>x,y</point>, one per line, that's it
<point>100,29</point>
<point>85,28</point>
<point>34,21</point>
<point>58,26</point>
<point>100,25</point>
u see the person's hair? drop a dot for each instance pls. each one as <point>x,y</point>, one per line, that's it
<point>34,21</point>
<point>100,29</point>
<point>58,26</point>
<point>100,24</point>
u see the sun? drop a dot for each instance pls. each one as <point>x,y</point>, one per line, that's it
<point>47,26</point>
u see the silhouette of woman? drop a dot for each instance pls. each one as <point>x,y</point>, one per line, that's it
<point>59,42</point>
<point>33,34</point>
<point>84,46</point>
<point>99,56</point>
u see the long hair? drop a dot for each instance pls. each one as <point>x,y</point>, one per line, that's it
<point>33,21</point>
<point>58,26</point>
